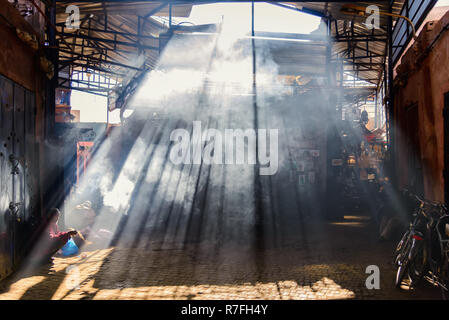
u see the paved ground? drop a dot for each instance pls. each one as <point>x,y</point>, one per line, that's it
<point>327,261</point>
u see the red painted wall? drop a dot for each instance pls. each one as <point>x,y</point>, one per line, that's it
<point>422,80</point>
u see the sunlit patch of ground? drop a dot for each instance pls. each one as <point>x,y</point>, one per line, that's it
<point>359,218</point>
<point>353,221</point>
<point>80,278</point>
<point>349,224</point>
<point>18,288</point>
<point>137,274</point>
<point>323,289</point>
<point>66,275</point>
<point>332,266</point>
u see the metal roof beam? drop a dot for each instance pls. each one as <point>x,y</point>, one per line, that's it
<point>302,10</point>
<point>90,90</point>
<point>96,39</point>
<point>119,33</point>
<point>361,38</point>
<point>93,67</point>
<point>401,37</point>
<point>155,10</point>
<point>89,59</point>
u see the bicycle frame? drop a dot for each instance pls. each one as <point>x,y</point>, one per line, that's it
<point>417,255</point>
<point>436,268</point>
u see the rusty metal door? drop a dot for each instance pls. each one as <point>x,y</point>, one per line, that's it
<point>31,157</point>
<point>17,115</point>
<point>6,178</point>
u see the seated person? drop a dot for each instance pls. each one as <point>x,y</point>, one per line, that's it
<point>54,240</point>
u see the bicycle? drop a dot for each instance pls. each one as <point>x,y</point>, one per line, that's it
<point>435,251</point>
<point>407,247</point>
<point>423,251</point>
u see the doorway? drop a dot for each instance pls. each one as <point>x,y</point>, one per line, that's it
<point>415,179</point>
<point>446,147</point>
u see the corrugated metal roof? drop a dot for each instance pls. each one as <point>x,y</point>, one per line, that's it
<point>333,9</point>
<point>371,54</point>
<point>121,44</point>
<point>127,8</point>
<point>114,39</point>
<point>369,68</point>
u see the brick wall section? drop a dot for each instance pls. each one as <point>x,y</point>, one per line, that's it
<point>423,79</point>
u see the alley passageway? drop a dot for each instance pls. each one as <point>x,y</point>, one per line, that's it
<point>224,149</point>
<point>328,261</point>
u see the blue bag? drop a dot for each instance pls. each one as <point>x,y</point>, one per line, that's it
<point>70,248</point>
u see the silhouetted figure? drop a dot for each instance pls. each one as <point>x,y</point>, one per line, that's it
<point>53,239</point>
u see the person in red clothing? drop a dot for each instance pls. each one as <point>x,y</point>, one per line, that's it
<point>54,240</point>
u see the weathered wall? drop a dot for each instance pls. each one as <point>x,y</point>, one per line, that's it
<point>17,59</point>
<point>21,134</point>
<point>423,80</point>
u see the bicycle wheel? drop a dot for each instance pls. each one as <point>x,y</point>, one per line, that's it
<point>418,263</point>
<point>445,279</point>
<point>399,248</point>
<point>403,262</point>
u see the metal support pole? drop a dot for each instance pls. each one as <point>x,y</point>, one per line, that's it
<point>53,193</point>
<point>258,208</point>
<point>390,109</point>
<point>52,54</point>
<point>376,108</point>
<point>328,52</point>
<point>169,15</point>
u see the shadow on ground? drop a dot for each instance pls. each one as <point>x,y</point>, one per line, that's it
<point>331,265</point>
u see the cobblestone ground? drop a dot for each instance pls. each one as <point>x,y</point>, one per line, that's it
<point>327,262</point>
